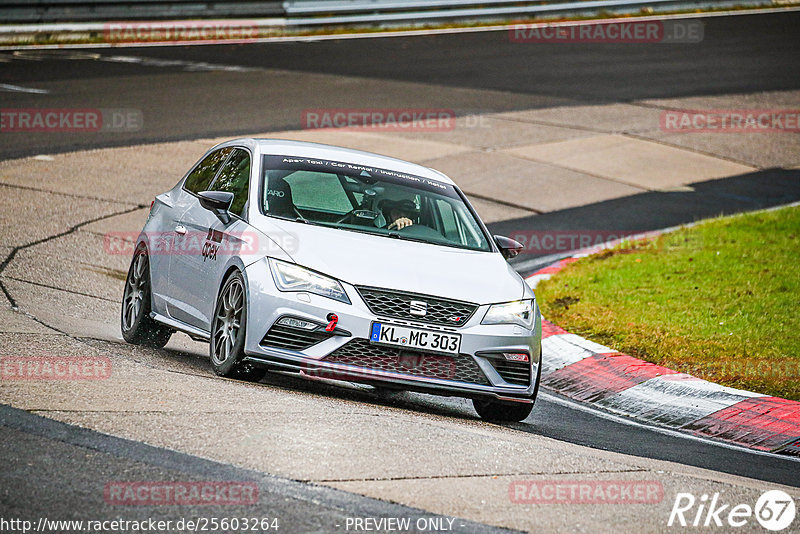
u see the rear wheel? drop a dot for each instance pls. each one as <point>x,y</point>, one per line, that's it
<point>228,333</point>
<point>136,324</point>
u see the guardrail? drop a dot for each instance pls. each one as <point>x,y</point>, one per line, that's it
<point>394,11</point>
<point>27,11</point>
<point>328,12</point>
<point>54,23</point>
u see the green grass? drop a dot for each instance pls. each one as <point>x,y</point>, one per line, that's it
<point>719,300</point>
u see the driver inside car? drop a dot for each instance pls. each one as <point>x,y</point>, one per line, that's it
<point>400,212</point>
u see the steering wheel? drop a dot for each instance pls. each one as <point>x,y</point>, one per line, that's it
<point>366,204</point>
<point>347,216</point>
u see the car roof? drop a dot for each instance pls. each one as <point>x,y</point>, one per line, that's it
<point>284,147</point>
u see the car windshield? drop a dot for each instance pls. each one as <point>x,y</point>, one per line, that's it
<point>369,199</point>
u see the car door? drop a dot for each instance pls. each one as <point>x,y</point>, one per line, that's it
<point>182,243</point>
<point>212,242</point>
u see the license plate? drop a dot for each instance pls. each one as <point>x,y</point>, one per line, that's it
<point>415,338</point>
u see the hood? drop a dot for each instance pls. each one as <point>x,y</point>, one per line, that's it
<point>384,262</point>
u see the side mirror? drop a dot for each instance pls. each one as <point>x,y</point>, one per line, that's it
<point>508,247</point>
<point>217,201</point>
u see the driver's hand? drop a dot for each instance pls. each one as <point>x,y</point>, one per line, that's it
<point>401,223</point>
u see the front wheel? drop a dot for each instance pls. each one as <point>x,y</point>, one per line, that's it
<point>136,324</point>
<point>497,411</point>
<point>228,333</point>
<point>507,412</point>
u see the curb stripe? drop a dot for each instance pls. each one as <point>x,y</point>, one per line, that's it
<point>602,375</point>
<point>561,350</point>
<point>549,329</point>
<point>674,400</point>
<point>761,423</point>
<point>557,266</point>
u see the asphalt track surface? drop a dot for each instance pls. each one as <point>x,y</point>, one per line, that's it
<point>54,457</point>
<point>468,71</point>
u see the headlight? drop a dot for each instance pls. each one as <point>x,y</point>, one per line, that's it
<point>291,277</point>
<point>519,312</point>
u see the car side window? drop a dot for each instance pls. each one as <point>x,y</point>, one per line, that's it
<point>448,220</point>
<point>235,178</point>
<point>199,179</point>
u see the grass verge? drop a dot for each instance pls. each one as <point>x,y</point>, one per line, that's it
<point>720,300</point>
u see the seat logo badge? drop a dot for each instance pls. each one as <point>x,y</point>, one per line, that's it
<point>418,307</point>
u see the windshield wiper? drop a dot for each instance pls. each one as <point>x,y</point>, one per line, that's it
<point>299,219</point>
<point>398,235</point>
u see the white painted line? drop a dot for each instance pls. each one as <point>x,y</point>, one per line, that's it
<point>590,409</point>
<point>7,87</point>
<point>188,66</point>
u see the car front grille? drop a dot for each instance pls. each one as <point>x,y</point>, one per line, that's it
<point>285,337</point>
<point>518,373</point>
<point>361,353</point>
<point>398,304</point>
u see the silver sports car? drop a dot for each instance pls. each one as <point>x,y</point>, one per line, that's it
<point>336,264</point>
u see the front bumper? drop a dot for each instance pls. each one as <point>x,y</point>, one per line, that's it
<point>480,350</point>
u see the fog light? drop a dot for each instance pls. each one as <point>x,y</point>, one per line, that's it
<point>516,356</point>
<point>297,323</point>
